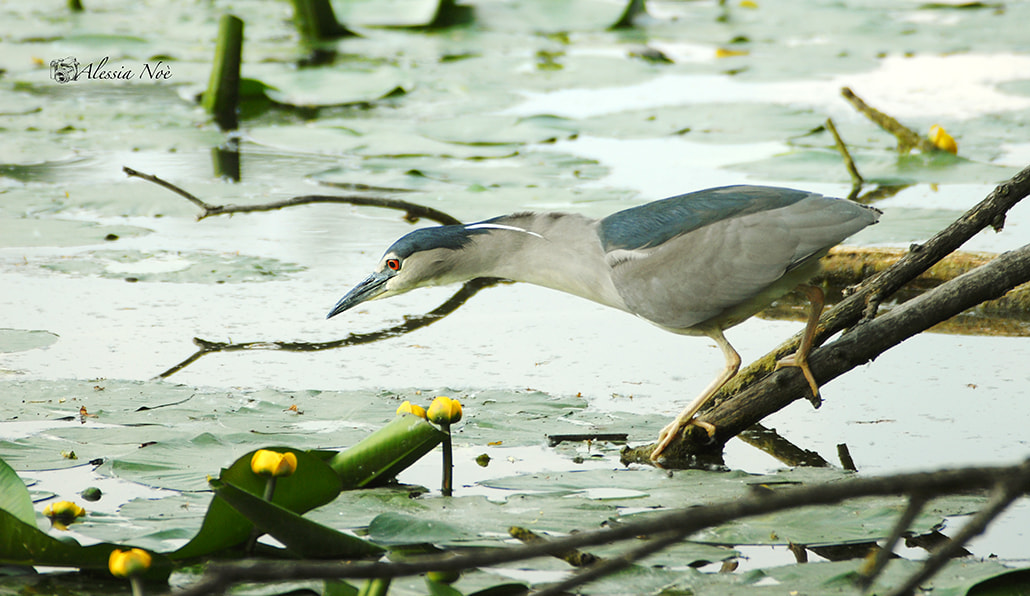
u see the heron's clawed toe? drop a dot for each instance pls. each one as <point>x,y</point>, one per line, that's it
<point>674,429</point>
<point>802,363</point>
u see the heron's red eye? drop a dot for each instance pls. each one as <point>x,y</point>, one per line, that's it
<point>393,264</point>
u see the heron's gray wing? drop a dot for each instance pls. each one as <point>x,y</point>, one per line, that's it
<point>655,223</point>
<point>724,271</point>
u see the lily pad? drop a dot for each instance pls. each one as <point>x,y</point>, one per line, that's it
<point>553,16</point>
<point>499,130</point>
<point>881,168</point>
<point>198,267</point>
<point>388,13</point>
<point>61,232</point>
<point>20,340</point>
<point>314,87</point>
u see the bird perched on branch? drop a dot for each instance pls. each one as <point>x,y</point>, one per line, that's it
<point>693,264</point>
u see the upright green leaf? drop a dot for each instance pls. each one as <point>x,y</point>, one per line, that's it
<point>312,485</point>
<point>303,537</point>
<point>14,495</point>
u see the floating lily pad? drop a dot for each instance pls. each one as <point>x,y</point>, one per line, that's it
<point>330,140</point>
<point>387,13</point>
<point>61,232</point>
<point>198,267</point>
<point>881,168</point>
<point>553,16</point>
<point>313,87</point>
<point>715,123</point>
<point>20,340</point>
<point>499,130</point>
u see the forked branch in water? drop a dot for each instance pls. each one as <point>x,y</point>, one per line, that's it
<point>412,212</point>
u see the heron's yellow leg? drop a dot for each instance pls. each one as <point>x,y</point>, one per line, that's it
<point>799,359</point>
<point>686,417</point>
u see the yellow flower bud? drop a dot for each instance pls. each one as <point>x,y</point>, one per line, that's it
<point>728,53</point>
<point>273,463</point>
<point>127,563</point>
<point>444,410</point>
<point>63,513</point>
<point>410,408</point>
<point>942,140</point>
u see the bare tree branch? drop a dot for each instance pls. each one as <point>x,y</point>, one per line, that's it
<point>1007,491</point>
<point>856,179</point>
<point>466,292</point>
<point>916,502</point>
<point>907,138</point>
<point>683,522</point>
<point>412,211</point>
<point>856,347</point>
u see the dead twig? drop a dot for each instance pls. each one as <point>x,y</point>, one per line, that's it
<point>907,138</point>
<point>467,291</point>
<point>849,163</point>
<point>1006,491</point>
<point>412,211</point>
<point>916,502</point>
<point>666,528</point>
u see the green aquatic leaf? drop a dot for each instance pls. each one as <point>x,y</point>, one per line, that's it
<point>23,544</point>
<point>314,87</point>
<point>162,266</point>
<point>14,496</point>
<point>1009,583</point>
<point>389,13</point>
<point>312,485</point>
<point>61,232</point>
<point>20,340</point>
<point>549,16</point>
<point>302,537</point>
<point>399,528</point>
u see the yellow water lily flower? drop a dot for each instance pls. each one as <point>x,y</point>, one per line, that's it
<point>410,408</point>
<point>127,563</point>
<point>942,140</point>
<point>273,464</point>
<point>444,410</point>
<point>63,513</point>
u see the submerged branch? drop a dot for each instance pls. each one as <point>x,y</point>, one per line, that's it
<point>467,291</point>
<point>412,212</point>
<point>662,527</point>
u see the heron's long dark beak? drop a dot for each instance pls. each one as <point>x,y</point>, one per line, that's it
<point>370,288</point>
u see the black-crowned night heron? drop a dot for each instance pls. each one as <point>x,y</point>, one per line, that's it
<point>693,264</point>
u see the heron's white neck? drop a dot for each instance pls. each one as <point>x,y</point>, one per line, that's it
<point>561,251</point>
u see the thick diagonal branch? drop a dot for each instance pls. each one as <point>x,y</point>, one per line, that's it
<point>868,340</point>
<point>755,393</point>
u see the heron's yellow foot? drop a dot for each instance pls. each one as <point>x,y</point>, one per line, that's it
<point>802,363</point>
<point>673,430</point>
